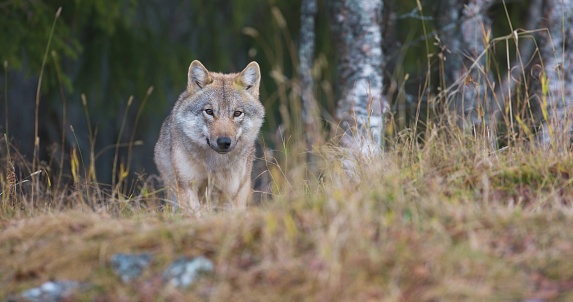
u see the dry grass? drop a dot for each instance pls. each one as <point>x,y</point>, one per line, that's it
<point>444,220</point>
<point>448,221</point>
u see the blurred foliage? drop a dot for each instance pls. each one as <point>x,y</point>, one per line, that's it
<point>111,49</point>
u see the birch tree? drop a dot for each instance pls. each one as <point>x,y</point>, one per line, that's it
<point>306,52</point>
<point>557,80</point>
<point>357,28</point>
<point>466,29</point>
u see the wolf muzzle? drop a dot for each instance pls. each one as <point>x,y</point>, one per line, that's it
<point>224,145</point>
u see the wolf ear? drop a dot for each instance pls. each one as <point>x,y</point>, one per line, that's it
<point>198,77</point>
<point>250,78</point>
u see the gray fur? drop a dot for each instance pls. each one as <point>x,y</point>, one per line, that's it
<point>187,156</point>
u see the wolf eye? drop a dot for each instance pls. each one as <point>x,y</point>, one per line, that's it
<point>237,113</point>
<point>209,111</point>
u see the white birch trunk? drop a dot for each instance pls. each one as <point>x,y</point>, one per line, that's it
<point>464,27</point>
<point>557,55</point>
<point>306,55</point>
<point>357,26</point>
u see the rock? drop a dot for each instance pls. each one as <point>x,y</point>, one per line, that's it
<point>184,271</point>
<point>130,266</point>
<point>51,291</point>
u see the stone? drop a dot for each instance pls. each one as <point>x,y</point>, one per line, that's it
<point>184,271</point>
<point>130,266</point>
<point>51,291</point>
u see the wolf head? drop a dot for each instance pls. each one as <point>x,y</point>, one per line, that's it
<point>221,111</point>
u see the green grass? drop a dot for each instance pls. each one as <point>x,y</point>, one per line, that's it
<point>448,221</point>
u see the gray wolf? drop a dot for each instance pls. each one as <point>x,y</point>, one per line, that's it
<point>206,146</point>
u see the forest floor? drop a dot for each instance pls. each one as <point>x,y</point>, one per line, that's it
<point>448,220</point>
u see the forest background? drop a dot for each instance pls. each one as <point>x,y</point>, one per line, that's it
<point>110,52</point>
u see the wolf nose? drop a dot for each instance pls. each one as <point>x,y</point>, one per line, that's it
<point>224,142</point>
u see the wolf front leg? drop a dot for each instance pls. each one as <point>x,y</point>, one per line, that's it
<point>243,194</point>
<point>187,179</point>
<point>187,193</point>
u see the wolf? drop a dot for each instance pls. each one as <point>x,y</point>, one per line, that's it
<point>206,145</point>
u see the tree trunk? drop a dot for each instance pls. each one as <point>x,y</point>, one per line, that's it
<point>557,91</point>
<point>357,27</point>
<point>516,77</point>
<point>463,40</point>
<point>305,56</point>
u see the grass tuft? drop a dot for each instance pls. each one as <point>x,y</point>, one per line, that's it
<point>448,220</point>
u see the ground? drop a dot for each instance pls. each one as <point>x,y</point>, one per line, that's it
<point>446,220</point>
